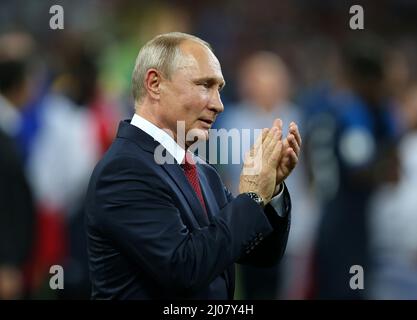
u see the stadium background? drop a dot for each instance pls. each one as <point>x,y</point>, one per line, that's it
<point>353,92</point>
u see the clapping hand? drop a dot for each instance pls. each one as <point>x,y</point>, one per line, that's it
<point>291,146</point>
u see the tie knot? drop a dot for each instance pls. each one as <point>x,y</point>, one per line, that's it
<point>188,163</point>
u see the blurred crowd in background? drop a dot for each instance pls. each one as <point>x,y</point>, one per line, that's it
<point>353,94</point>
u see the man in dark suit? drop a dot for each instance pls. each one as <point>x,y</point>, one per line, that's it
<point>169,229</point>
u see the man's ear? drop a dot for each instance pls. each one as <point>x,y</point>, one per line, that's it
<point>152,83</point>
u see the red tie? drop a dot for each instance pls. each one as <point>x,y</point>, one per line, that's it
<point>190,170</point>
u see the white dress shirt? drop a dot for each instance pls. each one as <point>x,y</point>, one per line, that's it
<point>179,153</point>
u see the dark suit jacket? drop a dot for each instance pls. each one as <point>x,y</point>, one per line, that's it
<point>17,209</point>
<point>149,238</point>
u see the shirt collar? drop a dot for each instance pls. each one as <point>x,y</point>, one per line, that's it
<point>9,117</point>
<point>159,135</point>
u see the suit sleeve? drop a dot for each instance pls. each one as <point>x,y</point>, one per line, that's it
<point>135,210</point>
<point>267,251</point>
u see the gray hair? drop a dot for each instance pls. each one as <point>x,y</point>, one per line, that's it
<point>161,53</point>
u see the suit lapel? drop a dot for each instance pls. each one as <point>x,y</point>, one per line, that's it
<point>209,198</point>
<point>176,173</point>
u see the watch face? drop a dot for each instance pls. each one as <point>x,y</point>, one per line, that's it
<point>255,197</point>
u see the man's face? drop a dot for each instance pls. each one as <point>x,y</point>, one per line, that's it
<point>192,94</point>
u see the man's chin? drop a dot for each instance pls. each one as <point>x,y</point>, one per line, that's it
<point>195,137</point>
<point>197,134</point>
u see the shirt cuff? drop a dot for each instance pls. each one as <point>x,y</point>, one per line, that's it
<point>277,201</point>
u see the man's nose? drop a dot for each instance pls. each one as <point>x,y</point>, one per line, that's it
<point>216,103</point>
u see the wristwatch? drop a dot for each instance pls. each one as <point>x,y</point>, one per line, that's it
<point>257,198</point>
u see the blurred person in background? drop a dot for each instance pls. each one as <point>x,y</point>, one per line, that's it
<point>264,90</point>
<point>352,144</point>
<point>17,210</point>
<point>132,24</point>
<point>393,217</point>
<point>76,123</point>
